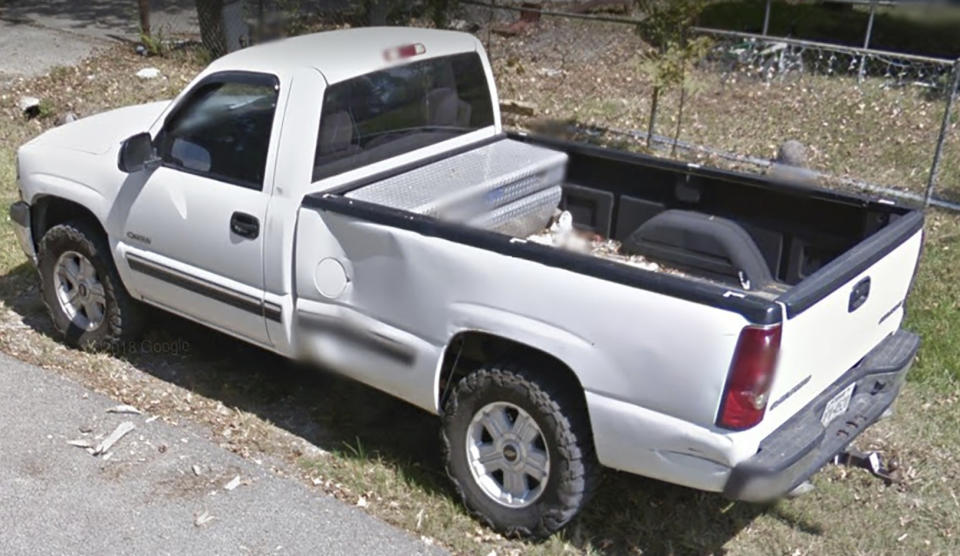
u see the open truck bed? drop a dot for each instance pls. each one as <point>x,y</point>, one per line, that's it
<point>660,344</point>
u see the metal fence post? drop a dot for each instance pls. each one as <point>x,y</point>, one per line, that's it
<point>766,18</point>
<point>866,40</point>
<point>944,128</point>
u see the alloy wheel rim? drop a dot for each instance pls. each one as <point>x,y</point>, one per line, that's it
<point>507,454</point>
<point>80,293</point>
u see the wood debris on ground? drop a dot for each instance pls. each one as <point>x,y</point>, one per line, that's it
<point>202,519</point>
<point>108,442</point>
<point>124,409</point>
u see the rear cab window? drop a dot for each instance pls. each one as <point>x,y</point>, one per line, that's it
<point>389,112</point>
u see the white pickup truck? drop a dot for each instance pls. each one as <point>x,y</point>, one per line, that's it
<point>350,198</point>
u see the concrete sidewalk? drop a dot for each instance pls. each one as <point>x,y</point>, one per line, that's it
<point>144,496</point>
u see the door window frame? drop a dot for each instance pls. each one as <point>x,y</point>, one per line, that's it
<point>232,76</point>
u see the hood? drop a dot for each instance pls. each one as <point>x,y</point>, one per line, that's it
<point>99,133</point>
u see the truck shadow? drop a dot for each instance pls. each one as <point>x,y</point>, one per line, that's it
<point>629,513</point>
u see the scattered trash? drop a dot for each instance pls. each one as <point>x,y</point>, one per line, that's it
<point>233,483</point>
<point>118,433</point>
<point>81,443</point>
<point>125,409</point>
<point>196,470</point>
<point>463,25</point>
<point>151,419</point>
<point>517,107</point>
<point>107,456</point>
<point>805,487</point>
<point>65,118</point>
<point>561,233</point>
<point>202,519</point>
<point>550,72</point>
<point>362,502</point>
<point>30,106</point>
<point>148,73</point>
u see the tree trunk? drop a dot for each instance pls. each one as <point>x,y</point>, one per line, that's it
<point>683,99</point>
<point>143,7</point>
<point>653,116</point>
<point>210,17</point>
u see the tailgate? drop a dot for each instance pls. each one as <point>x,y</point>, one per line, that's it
<point>838,314</point>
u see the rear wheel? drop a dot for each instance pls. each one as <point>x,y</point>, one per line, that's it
<point>82,290</point>
<point>518,450</point>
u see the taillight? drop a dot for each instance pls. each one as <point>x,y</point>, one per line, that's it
<point>404,51</point>
<point>751,374</point>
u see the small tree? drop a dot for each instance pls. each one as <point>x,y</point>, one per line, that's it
<point>143,9</point>
<point>668,28</point>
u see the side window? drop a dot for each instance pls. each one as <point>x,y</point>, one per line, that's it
<point>222,131</point>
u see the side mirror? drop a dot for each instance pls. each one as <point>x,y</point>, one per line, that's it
<point>136,153</point>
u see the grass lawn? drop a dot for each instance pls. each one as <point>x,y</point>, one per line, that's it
<point>357,444</point>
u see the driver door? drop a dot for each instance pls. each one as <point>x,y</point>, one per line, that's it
<point>193,233</point>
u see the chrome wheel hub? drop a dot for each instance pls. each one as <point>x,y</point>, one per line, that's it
<point>507,454</point>
<point>80,293</point>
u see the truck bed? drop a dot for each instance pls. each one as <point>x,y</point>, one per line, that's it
<point>841,264</point>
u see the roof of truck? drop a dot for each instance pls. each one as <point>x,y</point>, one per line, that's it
<point>342,54</point>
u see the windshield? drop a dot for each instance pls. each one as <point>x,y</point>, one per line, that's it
<point>389,112</point>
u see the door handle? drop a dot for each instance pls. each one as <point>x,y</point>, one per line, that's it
<point>245,225</point>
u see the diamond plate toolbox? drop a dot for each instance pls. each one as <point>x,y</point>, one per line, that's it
<point>480,187</point>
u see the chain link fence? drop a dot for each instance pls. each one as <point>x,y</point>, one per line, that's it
<point>870,120</point>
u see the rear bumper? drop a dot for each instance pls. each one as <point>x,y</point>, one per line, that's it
<point>802,445</point>
<point>20,215</point>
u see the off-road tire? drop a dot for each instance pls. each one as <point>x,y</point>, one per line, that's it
<point>123,319</point>
<point>574,470</point>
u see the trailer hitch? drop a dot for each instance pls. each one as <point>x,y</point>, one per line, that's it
<point>872,462</point>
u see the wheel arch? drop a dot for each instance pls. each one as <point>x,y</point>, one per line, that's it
<point>467,350</point>
<point>47,211</point>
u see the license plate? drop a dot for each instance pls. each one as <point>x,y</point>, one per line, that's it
<point>838,405</point>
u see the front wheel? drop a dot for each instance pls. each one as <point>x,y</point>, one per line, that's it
<point>518,450</point>
<point>82,290</point>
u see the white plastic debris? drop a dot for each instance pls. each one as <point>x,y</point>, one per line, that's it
<point>233,483</point>
<point>27,104</point>
<point>65,118</point>
<point>81,443</point>
<point>196,470</point>
<point>124,409</point>
<point>202,519</point>
<point>118,433</point>
<point>148,73</point>
<point>362,502</point>
<point>151,419</point>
